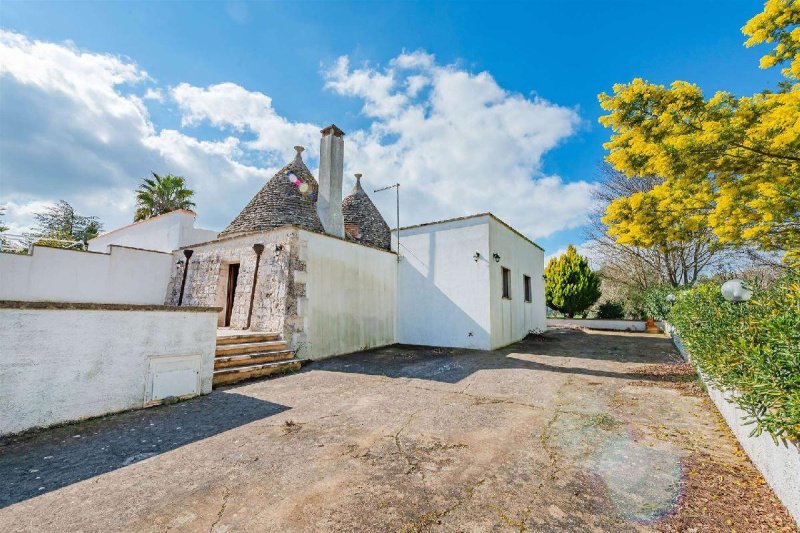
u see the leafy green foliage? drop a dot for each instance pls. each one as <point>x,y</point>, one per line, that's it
<point>611,310</point>
<point>161,195</point>
<point>654,301</point>
<point>570,285</point>
<point>3,227</point>
<point>62,223</point>
<point>751,348</point>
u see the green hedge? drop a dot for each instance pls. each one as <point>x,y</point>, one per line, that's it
<point>751,348</point>
<point>611,310</point>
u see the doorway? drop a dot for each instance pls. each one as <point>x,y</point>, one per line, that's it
<point>233,277</point>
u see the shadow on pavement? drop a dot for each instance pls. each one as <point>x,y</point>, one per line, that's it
<point>450,365</point>
<point>38,462</point>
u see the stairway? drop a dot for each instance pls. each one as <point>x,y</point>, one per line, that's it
<point>252,355</point>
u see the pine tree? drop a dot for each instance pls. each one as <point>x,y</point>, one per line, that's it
<point>570,285</point>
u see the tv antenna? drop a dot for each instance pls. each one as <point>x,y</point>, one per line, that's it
<point>396,187</point>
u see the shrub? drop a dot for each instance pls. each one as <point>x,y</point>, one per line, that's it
<point>570,285</point>
<point>654,301</point>
<point>752,349</point>
<point>611,310</point>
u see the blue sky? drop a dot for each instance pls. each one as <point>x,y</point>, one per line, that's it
<point>504,117</point>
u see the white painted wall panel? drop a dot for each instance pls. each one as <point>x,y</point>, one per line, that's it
<point>125,276</point>
<point>443,293</point>
<point>163,233</point>
<point>350,296</point>
<point>513,318</point>
<point>58,365</point>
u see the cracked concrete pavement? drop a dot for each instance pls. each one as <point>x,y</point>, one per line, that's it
<point>557,432</point>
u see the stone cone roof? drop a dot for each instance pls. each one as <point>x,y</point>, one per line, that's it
<point>290,197</point>
<point>362,220</point>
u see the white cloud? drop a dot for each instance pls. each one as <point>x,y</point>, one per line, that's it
<point>466,146</point>
<point>416,59</point>
<point>73,131</point>
<point>154,94</point>
<point>457,141</point>
<point>230,105</point>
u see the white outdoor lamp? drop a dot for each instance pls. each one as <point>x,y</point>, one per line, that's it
<point>736,291</point>
<point>670,298</point>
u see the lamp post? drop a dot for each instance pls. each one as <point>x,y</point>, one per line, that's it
<point>258,249</point>
<point>188,255</point>
<point>736,291</point>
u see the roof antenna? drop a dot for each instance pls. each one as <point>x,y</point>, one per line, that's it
<point>396,186</point>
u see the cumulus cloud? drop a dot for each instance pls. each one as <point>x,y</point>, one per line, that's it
<point>230,105</point>
<point>464,146</point>
<point>74,129</point>
<point>77,127</point>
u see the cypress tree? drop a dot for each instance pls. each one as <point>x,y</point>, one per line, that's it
<point>570,285</point>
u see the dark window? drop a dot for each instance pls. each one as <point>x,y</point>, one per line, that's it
<point>526,280</point>
<point>506,283</point>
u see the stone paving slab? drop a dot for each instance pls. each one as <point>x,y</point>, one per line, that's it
<point>558,432</point>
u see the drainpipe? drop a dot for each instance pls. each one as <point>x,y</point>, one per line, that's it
<point>258,249</point>
<point>188,255</point>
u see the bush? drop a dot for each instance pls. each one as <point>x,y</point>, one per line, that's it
<point>654,301</point>
<point>570,286</point>
<point>752,349</point>
<point>611,310</point>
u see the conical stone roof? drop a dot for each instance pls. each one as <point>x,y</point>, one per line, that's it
<point>362,220</point>
<point>290,197</point>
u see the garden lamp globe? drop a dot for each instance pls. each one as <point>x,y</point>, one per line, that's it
<point>736,291</point>
<point>670,298</point>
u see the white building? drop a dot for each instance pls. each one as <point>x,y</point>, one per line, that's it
<point>316,267</point>
<point>300,273</point>
<point>470,282</point>
<point>162,233</point>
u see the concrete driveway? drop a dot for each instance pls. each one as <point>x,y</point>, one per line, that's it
<point>566,431</point>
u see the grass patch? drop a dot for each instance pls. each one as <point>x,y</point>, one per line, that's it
<point>603,421</point>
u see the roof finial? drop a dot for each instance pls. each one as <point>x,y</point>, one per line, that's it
<point>358,178</point>
<point>299,150</point>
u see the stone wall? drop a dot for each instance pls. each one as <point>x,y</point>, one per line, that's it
<point>325,295</point>
<point>275,306</point>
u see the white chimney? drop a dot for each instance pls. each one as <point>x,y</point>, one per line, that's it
<point>331,170</point>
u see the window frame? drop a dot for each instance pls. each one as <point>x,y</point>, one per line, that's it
<point>505,274</point>
<point>527,288</point>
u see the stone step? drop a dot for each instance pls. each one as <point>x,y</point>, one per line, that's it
<point>226,376</point>
<point>246,337</point>
<point>250,347</point>
<point>252,358</point>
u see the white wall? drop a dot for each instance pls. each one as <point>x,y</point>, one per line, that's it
<point>779,464</point>
<point>350,296</point>
<point>163,233</point>
<point>597,323</point>
<point>513,318</point>
<point>124,275</point>
<point>65,362</point>
<point>443,293</point>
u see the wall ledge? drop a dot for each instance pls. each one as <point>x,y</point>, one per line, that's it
<point>91,306</point>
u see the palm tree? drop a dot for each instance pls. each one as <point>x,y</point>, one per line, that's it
<point>161,195</point>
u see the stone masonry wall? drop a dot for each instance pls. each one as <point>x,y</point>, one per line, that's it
<point>275,307</point>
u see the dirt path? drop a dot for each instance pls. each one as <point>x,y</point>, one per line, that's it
<point>569,431</point>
